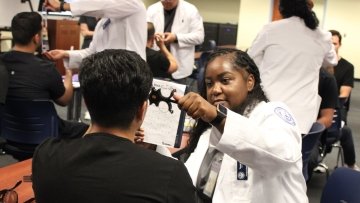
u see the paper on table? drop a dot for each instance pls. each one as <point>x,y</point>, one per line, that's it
<point>162,127</point>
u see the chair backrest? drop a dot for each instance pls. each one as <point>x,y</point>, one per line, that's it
<point>308,143</point>
<point>342,186</point>
<point>202,62</point>
<point>334,131</point>
<point>29,121</point>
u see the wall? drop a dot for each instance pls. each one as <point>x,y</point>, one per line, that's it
<point>344,16</point>
<point>8,8</point>
<point>224,11</point>
<point>210,10</point>
<point>250,22</point>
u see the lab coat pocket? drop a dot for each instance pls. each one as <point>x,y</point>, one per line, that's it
<point>232,189</point>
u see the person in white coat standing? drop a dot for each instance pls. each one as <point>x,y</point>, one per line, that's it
<point>289,53</point>
<point>122,26</point>
<point>251,152</point>
<point>182,27</point>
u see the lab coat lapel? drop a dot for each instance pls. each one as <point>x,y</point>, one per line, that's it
<point>178,19</point>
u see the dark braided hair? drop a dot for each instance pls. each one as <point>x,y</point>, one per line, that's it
<point>240,60</point>
<point>289,8</point>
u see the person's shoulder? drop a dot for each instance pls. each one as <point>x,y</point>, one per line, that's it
<point>45,63</point>
<point>346,63</point>
<point>276,26</point>
<point>278,109</point>
<point>48,146</point>
<point>155,157</point>
<point>323,35</point>
<point>151,52</point>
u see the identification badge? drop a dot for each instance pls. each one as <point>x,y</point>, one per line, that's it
<point>107,23</point>
<point>211,182</point>
<point>242,171</point>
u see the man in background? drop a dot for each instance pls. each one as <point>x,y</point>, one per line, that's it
<point>162,63</point>
<point>31,77</point>
<point>105,165</point>
<point>344,74</point>
<point>87,26</point>
<point>182,27</point>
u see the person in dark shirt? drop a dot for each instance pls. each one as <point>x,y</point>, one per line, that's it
<point>344,74</point>
<point>34,78</point>
<point>105,165</point>
<point>330,102</point>
<point>162,62</point>
<point>87,27</point>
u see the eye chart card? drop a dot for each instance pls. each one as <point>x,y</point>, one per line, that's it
<point>164,121</point>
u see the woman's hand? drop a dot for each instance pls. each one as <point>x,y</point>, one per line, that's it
<point>139,140</point>
<point>196,106</point>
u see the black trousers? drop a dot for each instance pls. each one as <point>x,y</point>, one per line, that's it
<point>347,143</point>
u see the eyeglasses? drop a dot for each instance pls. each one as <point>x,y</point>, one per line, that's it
<point>9,195</point>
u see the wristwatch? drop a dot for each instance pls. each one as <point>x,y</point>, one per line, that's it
<point>221,114</point>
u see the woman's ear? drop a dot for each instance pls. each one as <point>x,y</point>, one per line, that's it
<point>250,82</point>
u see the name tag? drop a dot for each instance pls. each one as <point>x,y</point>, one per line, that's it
<point>242,171</point>
<point>107,23</point>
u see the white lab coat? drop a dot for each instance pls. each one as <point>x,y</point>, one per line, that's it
<point>289,56</point>
<point>269,143</point>
<point>127,30</point>
<point>189,29</point>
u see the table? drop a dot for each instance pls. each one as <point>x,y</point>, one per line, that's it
<point>10,175</point>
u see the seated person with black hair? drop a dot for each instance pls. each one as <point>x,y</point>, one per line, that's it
<point>162,63</point>
<point>105,165</point>
<point>32,77</point>
<point>328,92</point>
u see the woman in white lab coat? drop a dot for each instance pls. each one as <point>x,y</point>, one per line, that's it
<point>122,26</point>
<point>251,152</point>
<point>289,53</point>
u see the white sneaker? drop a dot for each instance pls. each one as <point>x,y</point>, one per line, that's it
<point>321,168</point>
<point>87,116</point>
<point>354,167</point>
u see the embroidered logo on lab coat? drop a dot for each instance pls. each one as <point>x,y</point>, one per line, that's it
<point>284,115</point>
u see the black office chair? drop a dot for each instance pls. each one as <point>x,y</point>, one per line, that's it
<point>342,186</point>
<point>332,137</point>
<point>25,124</point>
<point>309,141</point>
<point>201,69</point>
